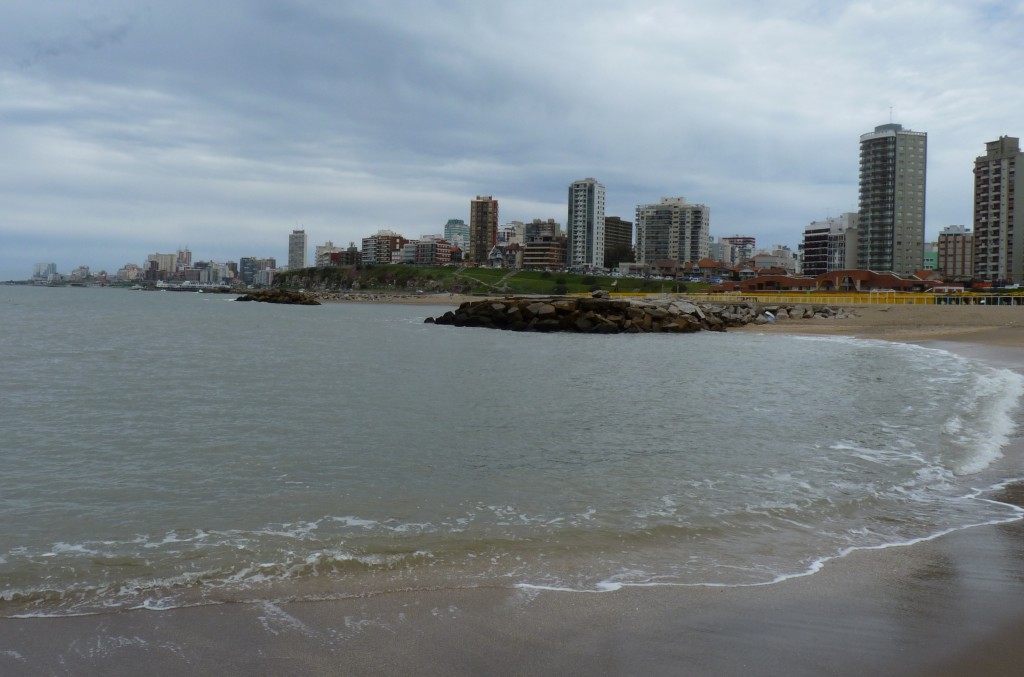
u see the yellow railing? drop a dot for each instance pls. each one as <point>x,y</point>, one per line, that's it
<point>841,298</point>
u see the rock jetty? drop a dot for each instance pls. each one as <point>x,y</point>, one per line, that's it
<point>601,315</point>
<point>279,296</point>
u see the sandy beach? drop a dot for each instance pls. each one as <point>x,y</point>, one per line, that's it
<point>988,325</point>
<point>953,605</point>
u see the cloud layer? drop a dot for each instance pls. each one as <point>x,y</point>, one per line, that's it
<point>136,127</point>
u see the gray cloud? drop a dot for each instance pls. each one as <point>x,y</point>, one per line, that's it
<point>146,126</point>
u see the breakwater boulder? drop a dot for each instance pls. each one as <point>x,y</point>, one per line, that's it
<point>601,315</point>
<point>279,296</point>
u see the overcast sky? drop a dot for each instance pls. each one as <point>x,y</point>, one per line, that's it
<point>130,127</point>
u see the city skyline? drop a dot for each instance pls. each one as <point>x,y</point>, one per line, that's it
<point>122,139</point>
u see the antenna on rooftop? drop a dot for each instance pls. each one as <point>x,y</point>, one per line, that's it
<point>890,115</point>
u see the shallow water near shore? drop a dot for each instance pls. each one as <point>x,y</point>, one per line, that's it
<point>165,450</point>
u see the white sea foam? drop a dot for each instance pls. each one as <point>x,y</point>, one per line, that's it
<point>990,405</point>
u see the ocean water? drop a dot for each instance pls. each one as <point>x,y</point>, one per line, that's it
<point>167,449</point>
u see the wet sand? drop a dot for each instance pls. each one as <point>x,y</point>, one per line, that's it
<point>950,606</point>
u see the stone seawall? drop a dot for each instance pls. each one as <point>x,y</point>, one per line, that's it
<point>614,316</point>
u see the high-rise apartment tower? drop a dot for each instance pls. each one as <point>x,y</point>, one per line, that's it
<point>483,228</point>
<point>672,229</point>
<point>585,225</point>
<point>998,227</point>
<point>297,250</point>
<point>893,163</point>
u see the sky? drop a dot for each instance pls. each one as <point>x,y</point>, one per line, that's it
<point>131,127</point>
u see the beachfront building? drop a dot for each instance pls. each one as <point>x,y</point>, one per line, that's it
<point>829,245</point>
<point>483,228</point>
<point>672,229</point>
<point>585,224</point>
<point>433,250</point>
<point>737,249</point>
<point>956,253</point>
<point>779,257</point>
<point>998,227</point>
<point>378,248</point>
<point>893,163</point>
<point>297,250</point>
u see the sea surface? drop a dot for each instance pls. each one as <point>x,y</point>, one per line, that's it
<point>162,449</point>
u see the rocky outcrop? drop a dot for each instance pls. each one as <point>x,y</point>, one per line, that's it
<point>279,296</point>
<point>602,315</point>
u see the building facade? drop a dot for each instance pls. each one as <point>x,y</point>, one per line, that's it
<point>456,233</point>
<point>322,254</point>
<point>672,230</point>
<point>297,250</point>
<point>829,245</point>
<point>43,271</point>
<point>893,173</point>
<point>618,233</point>
<point>740,248</point>
<point>250,269</point>
<point>379,248</point>
<point>998,227</point>
<point>545,245</point>
<point>511,233</point>
<point>433,250</point>
<point>483,228</point>
<point>956,253</point>
<point>585,224</point>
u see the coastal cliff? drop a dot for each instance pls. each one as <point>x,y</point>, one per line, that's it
<point>601,315</point>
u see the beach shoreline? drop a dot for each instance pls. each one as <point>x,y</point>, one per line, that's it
<point>946,606</point>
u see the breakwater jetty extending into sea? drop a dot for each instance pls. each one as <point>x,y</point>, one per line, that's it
<point>603,315</point>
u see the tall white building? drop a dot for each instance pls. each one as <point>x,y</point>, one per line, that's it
<point>893,164</point>
<point>672,230</point>
<point>585,225</point>
<point>297,250</point>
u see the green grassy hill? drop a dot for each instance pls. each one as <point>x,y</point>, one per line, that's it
<point>466,281</point>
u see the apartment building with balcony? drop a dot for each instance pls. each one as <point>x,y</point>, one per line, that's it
<point>998,246</point>
<point>893,173</point>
